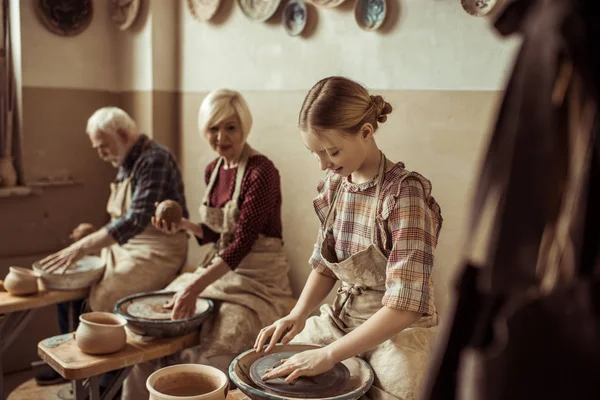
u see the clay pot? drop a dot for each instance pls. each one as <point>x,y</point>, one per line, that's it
<point>188,381</point>
<point>21,281</point>
<point>101,333</point>
<point>169,211</point>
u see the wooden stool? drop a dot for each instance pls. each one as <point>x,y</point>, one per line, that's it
<point>62,354</point>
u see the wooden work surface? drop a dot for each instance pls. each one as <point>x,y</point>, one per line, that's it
<point>236,395</point>
<point>10,303</point>
<point>62,354</point>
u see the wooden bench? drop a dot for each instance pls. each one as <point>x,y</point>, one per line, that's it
<point>62,354</point>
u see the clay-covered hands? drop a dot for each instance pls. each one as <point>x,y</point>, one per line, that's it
<point>63,259</point>
<point>307,363</point>
<point>289,326</point>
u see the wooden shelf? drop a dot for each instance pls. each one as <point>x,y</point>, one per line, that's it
<point>36,187</point>
<point>18,191</point>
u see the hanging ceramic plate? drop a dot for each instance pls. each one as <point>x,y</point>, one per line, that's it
<point>259,10</point>
<point>370,14</point>
<point>124,12</point>
<point>203,10</point>
<point>294,17</point>
<point>65,17</point>
<point>326,3</point>
<point>478,8</point>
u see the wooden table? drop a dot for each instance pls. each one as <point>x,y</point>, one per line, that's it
<point>62,354</point>
<point>16,311</point>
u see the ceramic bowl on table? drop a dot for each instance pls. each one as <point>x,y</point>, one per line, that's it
<point>188,382</point>
<point>101,333</point>
<point>242,372</point>
<point>21,281</point>
<point>82,275</point>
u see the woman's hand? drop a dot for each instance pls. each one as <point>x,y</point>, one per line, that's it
<point>307,363</point>
<point>183,303</point>
<point>64,259</point>
<point>289,326</point>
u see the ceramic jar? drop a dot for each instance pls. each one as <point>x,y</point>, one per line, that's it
<point>101,333</point>
<point>188,381</point>
<point>21,281</point>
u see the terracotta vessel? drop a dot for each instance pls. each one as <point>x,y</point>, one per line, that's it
<point>101,333</point>
<point>189,382</point>
<point>7,172</point>
<point>21,281</point>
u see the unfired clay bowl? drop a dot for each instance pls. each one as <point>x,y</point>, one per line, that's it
<point>188,382</point>
<point>361,375</point>
<point>101,333</point>
<point>83,275</point>
<point>21,281</point>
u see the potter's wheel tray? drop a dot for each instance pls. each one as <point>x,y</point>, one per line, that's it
<point>325,385</point>
<point>146,315</point>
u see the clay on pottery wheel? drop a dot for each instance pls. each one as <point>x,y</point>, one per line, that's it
<point>169,211</point>
<point>153,307</point>
<point>82,231</point>
<point>101,333</point>
<point>192,381</point>
<point>325,385</point>
<point>21,281</point>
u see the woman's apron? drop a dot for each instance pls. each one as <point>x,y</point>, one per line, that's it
<point>399,363</point>
<point>252,296</point>
<point>147,262</point>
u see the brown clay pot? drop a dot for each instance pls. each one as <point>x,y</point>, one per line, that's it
<point>101,333</point>
<point>21,281</point>
<point>188,381</point>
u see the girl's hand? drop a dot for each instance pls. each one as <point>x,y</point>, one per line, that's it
<point>289,326</point>
<point>307,363</point>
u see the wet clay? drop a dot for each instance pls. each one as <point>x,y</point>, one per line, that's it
<point>185,384</point>
<point>169,211</point>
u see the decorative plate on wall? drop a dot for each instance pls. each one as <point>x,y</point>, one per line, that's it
<point>65,17</point>
<point>326,3</point>
<point>203,10</point>
<point>478,8</point>
<point>294,17</point>
<point>259,10</point>
<point>124,12</point>
<point>370,14</point>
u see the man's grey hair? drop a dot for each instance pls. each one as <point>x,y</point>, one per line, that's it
<point>110,120</point>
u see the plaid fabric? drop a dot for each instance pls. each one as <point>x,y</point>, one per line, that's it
<point>155,177</point>
<point>408,227</point>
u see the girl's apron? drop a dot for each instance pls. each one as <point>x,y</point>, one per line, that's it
<point>399,363</point>
<point>147,262</point>
<point>252,296</point>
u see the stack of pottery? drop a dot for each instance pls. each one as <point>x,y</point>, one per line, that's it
<point>21,281</point>
<point>101,333</point>
<point>188,381</point>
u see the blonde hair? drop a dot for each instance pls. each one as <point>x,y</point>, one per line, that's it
<point>221,104</point>
<point>110,120</point>
<point>342,104</point>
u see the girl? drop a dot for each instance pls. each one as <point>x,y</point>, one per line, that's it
<point>379,229</point>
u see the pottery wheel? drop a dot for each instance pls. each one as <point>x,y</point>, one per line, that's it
<point>153,307</point>
<point>325,385</point>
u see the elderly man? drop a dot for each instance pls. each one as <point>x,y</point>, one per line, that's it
<point>138,257</point>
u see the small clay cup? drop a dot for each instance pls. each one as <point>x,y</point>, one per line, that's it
<point>21,281</point>
<point>189,382</point>
<point>101,333</point>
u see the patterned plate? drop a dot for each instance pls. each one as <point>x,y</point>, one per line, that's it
<point>370,14</point>
<point>478,8</point>
<point>203,10</point>
<point>324,385</point>
<point>326,3</point>
<point>294,17</point>
<point>124,12</point>
<point>259,10</point>
<point>65,17</point>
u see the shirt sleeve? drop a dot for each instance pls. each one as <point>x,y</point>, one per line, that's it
<point>260,199</point>
<point>409,283</point>
<point>152,180</point>
<point>316,260</point>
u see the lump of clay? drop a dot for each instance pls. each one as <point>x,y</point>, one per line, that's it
<point>82,231</point>
<point>169,211</point>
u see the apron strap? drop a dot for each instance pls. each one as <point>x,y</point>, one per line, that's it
<point>211,182</point>
<point>240,174</point>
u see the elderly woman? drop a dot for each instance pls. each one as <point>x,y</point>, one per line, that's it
<point>240,217</point>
